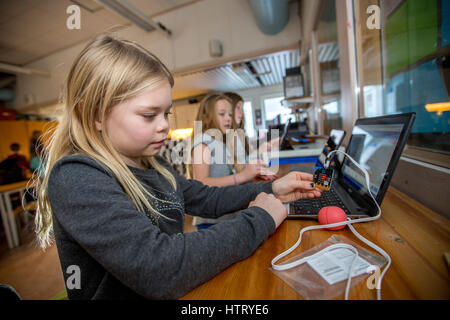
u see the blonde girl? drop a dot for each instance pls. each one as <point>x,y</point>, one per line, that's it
<point>116,210</point>
<point>214,158</point>
<point>239,120</point>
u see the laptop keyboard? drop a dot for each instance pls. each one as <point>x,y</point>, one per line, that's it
<point>313,206</point>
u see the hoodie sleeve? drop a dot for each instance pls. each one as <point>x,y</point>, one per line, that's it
<point>98,215</point>
<point>212,202</point>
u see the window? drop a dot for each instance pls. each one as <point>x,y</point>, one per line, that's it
<point>404,67</point>
<point>332,107</point>
<point>273,108</point>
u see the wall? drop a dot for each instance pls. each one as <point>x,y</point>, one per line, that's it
<point>232,22</point>
<point>428,184</point>
<point>21,132</point>
<point>256,96</point>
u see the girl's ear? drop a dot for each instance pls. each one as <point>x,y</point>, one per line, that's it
<point>98,125</point>
<point>98,121</point>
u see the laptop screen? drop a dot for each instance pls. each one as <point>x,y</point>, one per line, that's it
<point>372,146</point>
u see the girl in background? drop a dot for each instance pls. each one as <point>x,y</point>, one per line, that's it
<point>36,148</point>
<point>244,146</point>
<point>213,159</point>
<point>116,209</point>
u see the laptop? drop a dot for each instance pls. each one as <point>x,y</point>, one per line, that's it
<point>376,144</point>
<point>294,129</point>
<point>284,144</point>
<point>333,143</point>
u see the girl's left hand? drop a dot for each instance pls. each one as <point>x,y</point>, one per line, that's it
<point>294,186</point>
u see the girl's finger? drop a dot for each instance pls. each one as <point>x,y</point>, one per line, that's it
<point>304,176</point>
<point>304,185</point>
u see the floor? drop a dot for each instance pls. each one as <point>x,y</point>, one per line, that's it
<point>36,274</point>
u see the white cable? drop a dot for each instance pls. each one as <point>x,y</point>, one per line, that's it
<point>337,224</point>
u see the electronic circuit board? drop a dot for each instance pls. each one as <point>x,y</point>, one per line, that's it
<point>323,178</point>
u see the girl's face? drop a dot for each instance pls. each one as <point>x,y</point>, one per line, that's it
<point>137,127</point>
<point>239,112</point>
<point>224,115</point>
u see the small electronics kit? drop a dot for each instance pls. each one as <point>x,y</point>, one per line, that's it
<point>323,178</point>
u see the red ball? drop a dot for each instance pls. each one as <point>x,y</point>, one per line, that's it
<point>329,215</point>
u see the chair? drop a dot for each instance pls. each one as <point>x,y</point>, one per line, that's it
<point>172,151</point>
<point>27,210</point>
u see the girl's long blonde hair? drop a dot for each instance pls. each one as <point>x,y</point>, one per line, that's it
<point>235,99</point>
<point>106,72</point>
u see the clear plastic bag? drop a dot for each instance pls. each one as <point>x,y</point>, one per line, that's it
<point>311,285</point>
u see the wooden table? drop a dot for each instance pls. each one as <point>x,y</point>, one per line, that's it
<point>8,219</point>
<point>414,236</point>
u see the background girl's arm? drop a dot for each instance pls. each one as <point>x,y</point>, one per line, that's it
<point>201,158</point>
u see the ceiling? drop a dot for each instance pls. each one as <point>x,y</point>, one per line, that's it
<point>250,73</point>
<point>32,29</point>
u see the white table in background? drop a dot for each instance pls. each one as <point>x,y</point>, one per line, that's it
<point>8,219</point>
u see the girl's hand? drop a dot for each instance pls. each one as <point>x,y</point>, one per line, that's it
<point>294,186</point>
<point>274,144</point>
<point>267,146</point>
<point>253,169</point>
<point>268,177</point>
<point>272,205</point>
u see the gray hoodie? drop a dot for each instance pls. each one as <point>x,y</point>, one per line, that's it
<point>121,253</point>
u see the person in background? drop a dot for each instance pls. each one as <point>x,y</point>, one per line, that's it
<point>14,169</point>
<point>36,149</point>
<point>213,160</point>
<point>239,121</point>
<point>21,160</point>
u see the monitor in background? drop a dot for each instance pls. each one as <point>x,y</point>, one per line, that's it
<point>283,142</point>
<point>334,141</point>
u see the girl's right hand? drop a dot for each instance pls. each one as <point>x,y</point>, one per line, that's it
<point>252,170</point>
<point>272,205</point>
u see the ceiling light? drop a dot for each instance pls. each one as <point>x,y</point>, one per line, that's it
<point>134,15</point>
<point>15,69</point>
